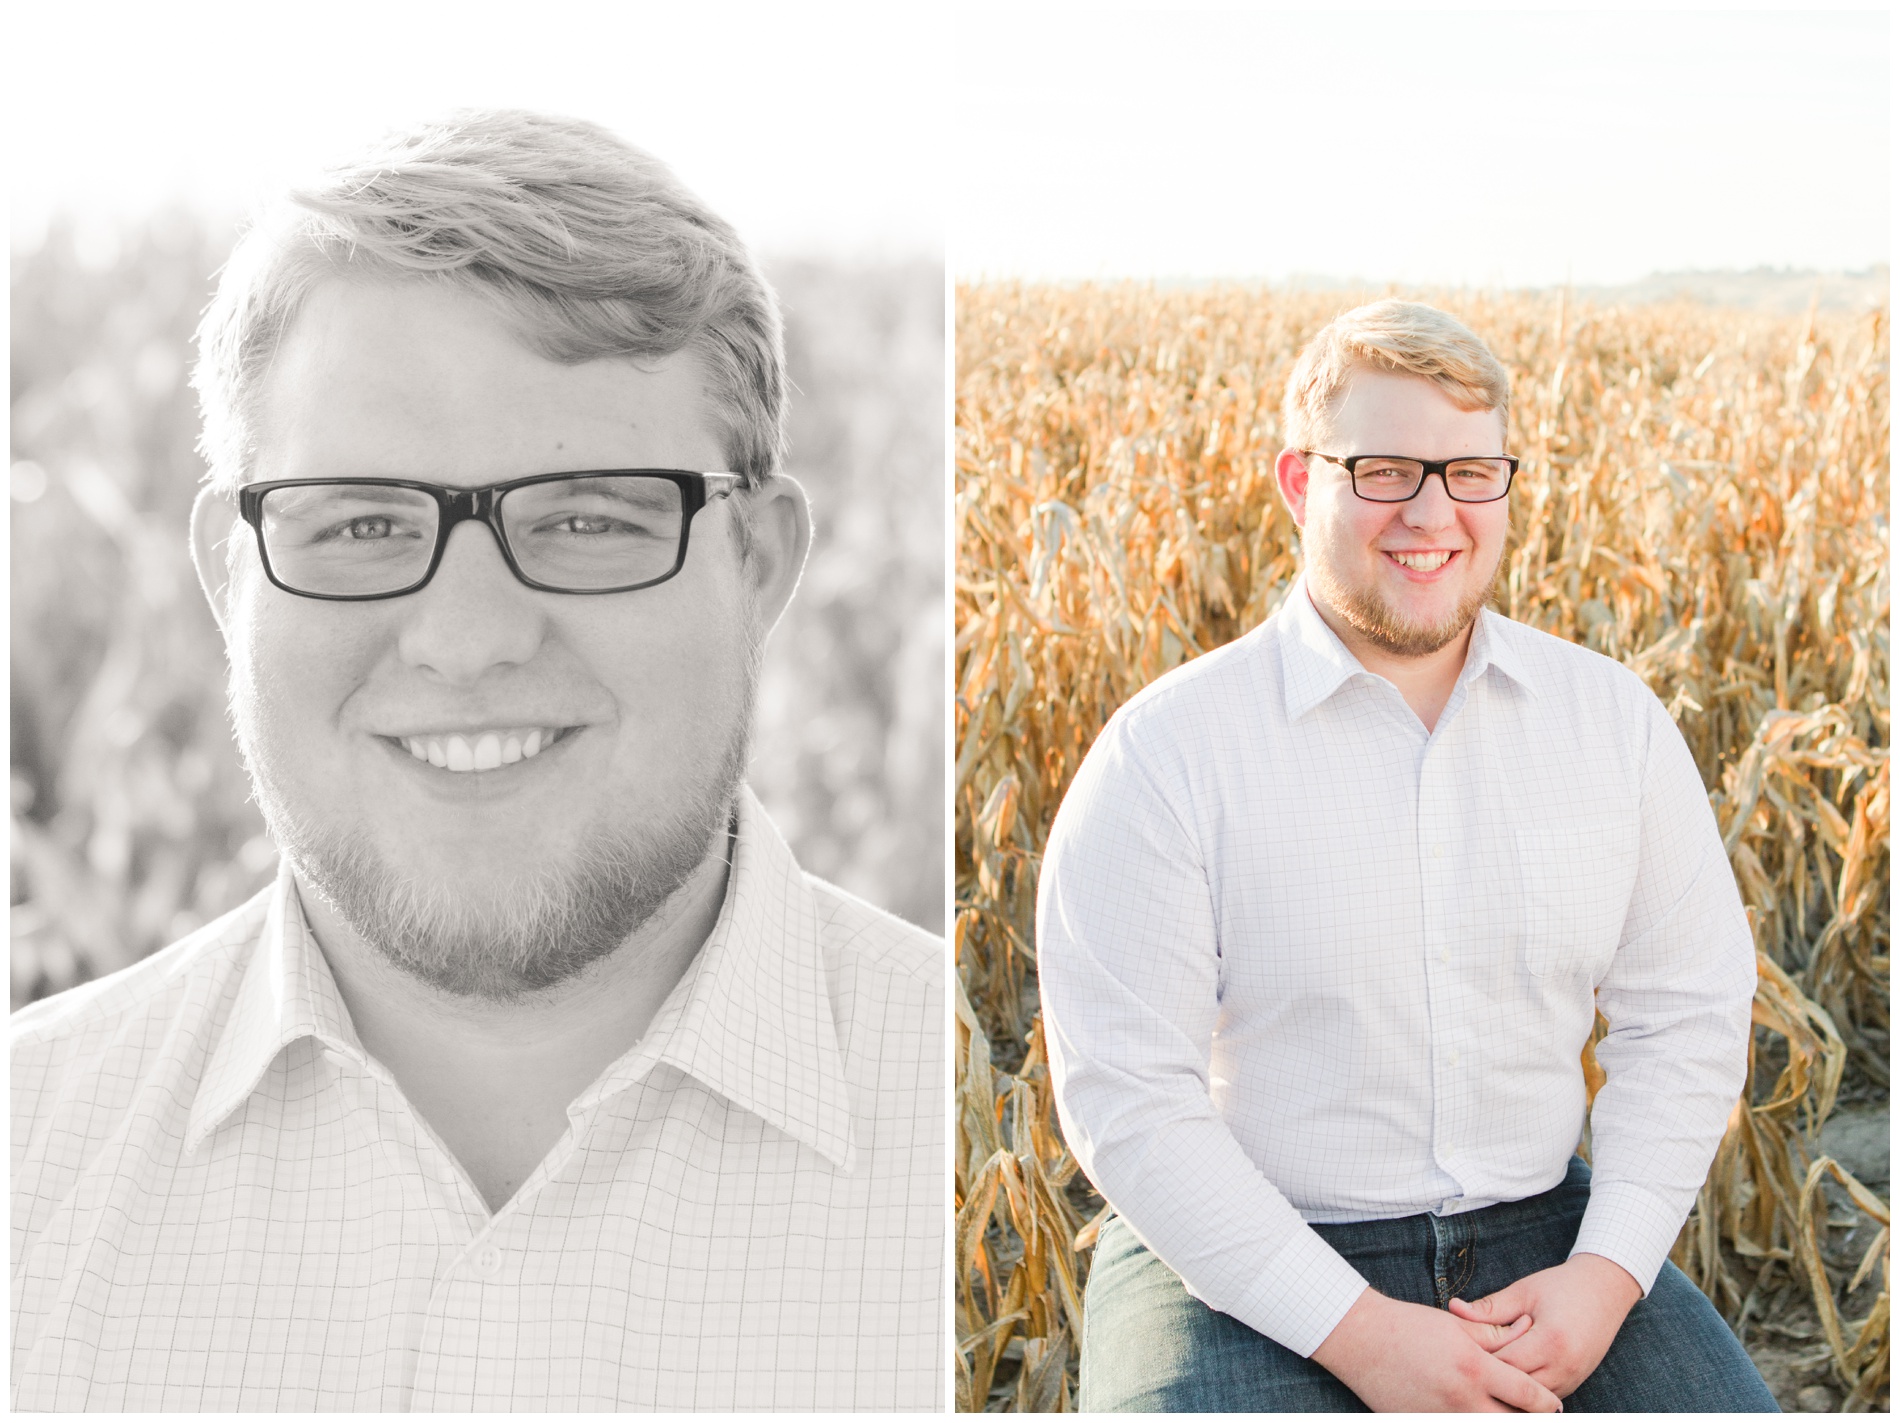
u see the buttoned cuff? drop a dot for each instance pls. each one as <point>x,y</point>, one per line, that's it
<point>1303,1293</point>
<point>1631,1225</point>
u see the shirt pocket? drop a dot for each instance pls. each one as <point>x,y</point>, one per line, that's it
<point>1575,877</point>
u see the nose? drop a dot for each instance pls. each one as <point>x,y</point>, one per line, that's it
<point>474,617</point>
<point>1432,507</point>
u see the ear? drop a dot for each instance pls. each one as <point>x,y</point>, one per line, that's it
<point>1290,470</point>
<point>214,520</point>
<point>780,537</point>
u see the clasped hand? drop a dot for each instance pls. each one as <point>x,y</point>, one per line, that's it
<point>1519,1350</point>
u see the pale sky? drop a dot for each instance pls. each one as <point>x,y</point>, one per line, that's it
<point>1050,139</point>
<point>1515,147</point>
<point>815,129</point>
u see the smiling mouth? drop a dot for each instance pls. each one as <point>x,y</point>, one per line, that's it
<point>471,751</point>
<point>1421,562</point>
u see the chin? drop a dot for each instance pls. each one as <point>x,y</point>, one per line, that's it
<point>505,915</point>
<point>501,926</point>
<point>1399,631</point>
<point>479,848</point>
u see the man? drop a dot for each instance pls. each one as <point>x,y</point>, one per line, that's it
<point>1322,925</point>
<point>542,1078</point>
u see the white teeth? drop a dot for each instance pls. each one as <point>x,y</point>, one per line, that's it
<point>1421,562</point>
<point>481,751</point>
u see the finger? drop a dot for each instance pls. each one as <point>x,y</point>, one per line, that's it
<point>1493,1337</point>
<point>1519,1389</point>
<point>1545,1351</point>
<point>1527,1353</point>
<point>1499,1308</point>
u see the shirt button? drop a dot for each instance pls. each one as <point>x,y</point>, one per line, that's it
<point>1444,955</point>
<point>1453,1059</point>
<point>1438,852</point>
<point>487,1262</point>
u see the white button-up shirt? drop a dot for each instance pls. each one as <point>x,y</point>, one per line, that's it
<point>1303,961</point>
<point>221,1202</point>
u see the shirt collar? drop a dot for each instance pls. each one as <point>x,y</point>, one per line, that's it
<point>751,1019</point>
<point>1494,643</point>
<point>1315,663</point>
<point>285,994</point>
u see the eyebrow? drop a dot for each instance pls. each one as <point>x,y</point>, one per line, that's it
<point>296,495</point>
<point>645,492</point>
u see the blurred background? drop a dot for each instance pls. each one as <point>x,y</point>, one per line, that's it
<point>154,134</point>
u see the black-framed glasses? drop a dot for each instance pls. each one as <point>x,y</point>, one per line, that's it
<point>581,531</point>
<point>1392,479</point>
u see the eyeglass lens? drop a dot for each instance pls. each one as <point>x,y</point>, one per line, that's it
<point>582,534</point>
<point>1471,481</point>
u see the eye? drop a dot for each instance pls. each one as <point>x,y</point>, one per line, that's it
<point>582,525</point>
<point>363,528</point>
<point>586,524</point>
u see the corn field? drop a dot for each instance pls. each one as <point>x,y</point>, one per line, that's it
<point>1703,497</point>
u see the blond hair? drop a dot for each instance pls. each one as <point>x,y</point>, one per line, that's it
<point>588,247</point>
<point>1399,337</point>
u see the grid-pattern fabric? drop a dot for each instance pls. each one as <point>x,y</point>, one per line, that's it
<point>221,1202</point>
<point>1303,961</point>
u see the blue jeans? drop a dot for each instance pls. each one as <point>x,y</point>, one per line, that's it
<point>1150,1347</point>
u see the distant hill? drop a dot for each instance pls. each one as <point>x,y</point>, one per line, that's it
<point>1774,289</point>
<point>1777,290</point>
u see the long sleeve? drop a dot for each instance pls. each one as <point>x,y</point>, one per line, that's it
<point>1677,999</point>
<point>1129,958</point>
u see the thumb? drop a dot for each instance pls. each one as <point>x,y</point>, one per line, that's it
<point>1500,1308</point>
<point>1493,1337</point>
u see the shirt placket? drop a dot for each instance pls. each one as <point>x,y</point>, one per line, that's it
<point>475,1306</point>
<point>455,1214</point>
<point>471,1355</point>
<point>1442,866</point>
<point>475,1294</point>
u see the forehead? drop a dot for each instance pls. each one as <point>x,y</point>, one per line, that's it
<point>426,381</point>
<point>1379,407</point>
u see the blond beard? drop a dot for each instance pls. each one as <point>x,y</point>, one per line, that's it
<point>538,932</point>
<point>534,933</point>
<point>1390,631</point>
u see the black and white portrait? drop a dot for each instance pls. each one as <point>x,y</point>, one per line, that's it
<point>478,730</point>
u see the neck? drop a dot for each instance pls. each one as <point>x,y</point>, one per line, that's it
<point>494,1078</point>
<point>1425,681</point>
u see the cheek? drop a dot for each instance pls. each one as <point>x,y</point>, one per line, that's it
<point>294,661</point>
<point>1343,527</point>
<point>677,681</point>
<point>1490,530</point>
